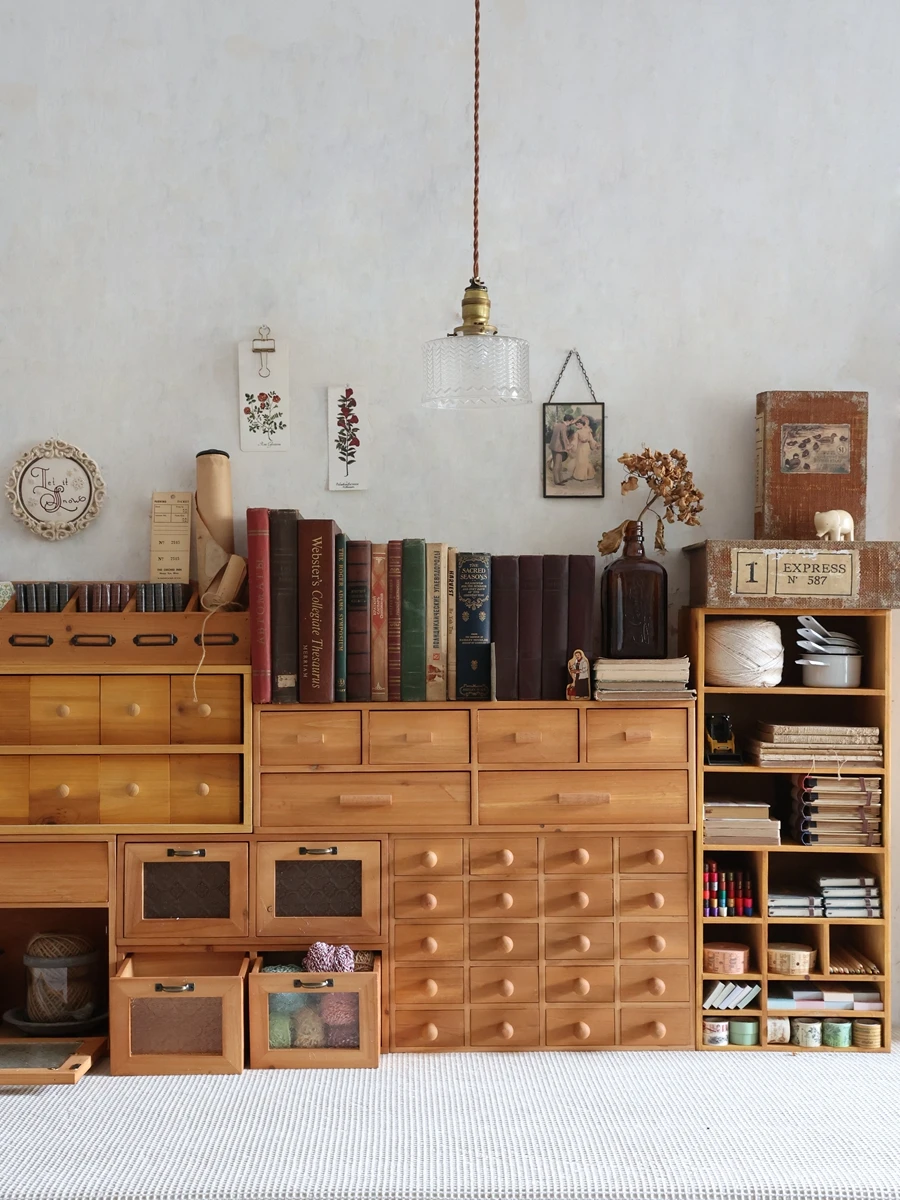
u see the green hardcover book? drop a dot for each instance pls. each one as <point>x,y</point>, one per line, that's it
<point>412,627</point>
<point>340,616</point>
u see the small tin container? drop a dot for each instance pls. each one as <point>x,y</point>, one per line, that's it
<point>715,1031</point>
<point>743,1031</point>
<point>806,1031</point>
<point>836,1031</point>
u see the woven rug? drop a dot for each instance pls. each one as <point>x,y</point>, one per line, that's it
<point>614,1126</point>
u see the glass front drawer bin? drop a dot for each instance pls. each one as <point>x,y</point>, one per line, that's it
<point>176,890</point>
<point>178,1013</point>
<point>318,890</point>
<point>315,1020</point>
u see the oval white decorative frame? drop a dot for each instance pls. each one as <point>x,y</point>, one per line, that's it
<point>55,490</point>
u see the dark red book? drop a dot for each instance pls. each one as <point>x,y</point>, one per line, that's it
<point>283,587</point>
<point>554,627</point>
<point>581,605</point>
<point>531,587</point>
<point>395,623</point>
<point>315,603</point>
<point>260,604</point>
<point>359,621</point>
<point>505,624</point>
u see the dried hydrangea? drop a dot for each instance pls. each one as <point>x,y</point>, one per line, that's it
<point>671,485</point>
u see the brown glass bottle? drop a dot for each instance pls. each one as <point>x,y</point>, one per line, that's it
<point>634,593</point>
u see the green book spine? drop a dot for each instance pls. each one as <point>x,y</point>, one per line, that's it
<point>412,628</point>
<point>340,617</point>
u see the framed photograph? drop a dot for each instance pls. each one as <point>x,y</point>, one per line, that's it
<point>573,448</point>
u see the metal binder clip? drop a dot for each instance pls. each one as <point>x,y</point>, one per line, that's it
<point>264,346</point>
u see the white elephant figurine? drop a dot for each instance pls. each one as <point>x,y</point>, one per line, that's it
<point>836,525</point>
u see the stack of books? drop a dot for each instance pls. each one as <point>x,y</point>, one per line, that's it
<point>796,902</point>
<point>836,810</point>
<point>641,678</point>
<point>726,994</point>
<point>729,822</point>
<point>859,997</point>
<point>42,597</point>
<point>850,895</point>
<point>808,747</point>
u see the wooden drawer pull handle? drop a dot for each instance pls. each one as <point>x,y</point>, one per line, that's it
<point>506,857</point>
<point>429,901</point>
<point>657,943</point>
<point>583,943</point>
<point>62,710</point>
<point>306,739</point>
<point>429,945</point>
<point>420,737</point>
<point>204,710</point>
<point>638,735</point>
<point>505,1030</point>
<point>656,900</point>
<point>429,859</point>
<point>581,986</point>
<point>202,789</point>
<point>133,789</point>
<point>430,1032</point>
<point>63,790</point>
<point>582,1030</point>
<point>134,710</point>
<point>506,944</point>
<point>362,800</point>
<point>583,797</point>
<point>656,857</point>
<point>581,856</point>
<point>506,900</point>
<point>582,899</point>
<point>657,1030</point>
<point>525,736</point>
<point>431,987</point>
<point>656,986</point>
<point>507,987</point>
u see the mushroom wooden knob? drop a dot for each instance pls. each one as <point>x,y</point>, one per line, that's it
<point>581,986</point>
<point>134,710</point>
<point>582,1030</point>
<point>429,901</point>
<point>656,857</point>
<point>507,857</point>
<point>431,987</point>
<point>204,710</point>
<point>657,1030</point>
<point>63,790</point>
<point>657,943</point>
<point>505,944</point>
<point>656,899</point>
<point>133,789</point>
<point>429,945</point>
<point>507,987</point>
<point>581,856</point>
<point>62,710</point>
<point>505,1030</point>
<point>582,899</point>
<point>202,789</point>
<point>506,900</point>
<point>656,986</point>
<point>430,1032</point>
<point>429,859</point>
<point>583,943</point>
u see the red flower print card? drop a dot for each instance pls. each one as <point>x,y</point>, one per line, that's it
<point>263,398</point>
<point>348,440</point>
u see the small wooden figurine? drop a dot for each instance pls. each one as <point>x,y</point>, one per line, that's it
<point>580,675</point>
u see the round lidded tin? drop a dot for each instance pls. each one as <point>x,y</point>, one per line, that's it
<point>836,1031</point>
<point>806,1031</point>
<point>715,1031</point>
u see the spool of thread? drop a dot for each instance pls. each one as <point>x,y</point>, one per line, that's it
<point>866,1033</point>
<point>778,1031</point>
<point>806,1031</point>
<point>342,1037</point>
<point>307,1029</point>
<point>836,1031</point>
<point>743,653</point>
<point>715,1031</point>
<point>279,1030</point>
<point>743,1031</point>
<point>726,958</point>
<point>340,1008</point>
<point>791,958</point>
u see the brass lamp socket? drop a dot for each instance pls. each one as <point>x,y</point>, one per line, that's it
<point>476,310</point>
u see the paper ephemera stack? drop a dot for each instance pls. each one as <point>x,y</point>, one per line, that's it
<point>641,678</point>
<point>816,747</point>
<point>834,810</point>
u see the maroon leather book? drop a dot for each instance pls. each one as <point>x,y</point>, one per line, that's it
<point>283,586</point>
<point>260,604</point>
<point>581,605</point>
<point>315,603</point>
<point>555,627</point>
<point>505,624</point>
<point>359,621</point>
<point>531,585</point>
<point>395,623</point>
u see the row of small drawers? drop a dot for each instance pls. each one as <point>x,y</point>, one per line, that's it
<point>525,941</point>
<point>555,853</point>
<point>564,1026</point>
<point>119,710</point>
<point>638,983</point>
<point>626,737</point>
<point>565,896</point>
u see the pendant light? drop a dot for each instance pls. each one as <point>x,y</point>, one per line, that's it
<point>474,366</point>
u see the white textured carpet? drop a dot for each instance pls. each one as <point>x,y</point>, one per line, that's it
<point>470,1127</point>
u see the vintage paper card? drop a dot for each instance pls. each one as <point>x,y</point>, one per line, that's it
<point>264,403</point>
<point>170,536</point>
<point>348,440</point>
<point>805,574</point>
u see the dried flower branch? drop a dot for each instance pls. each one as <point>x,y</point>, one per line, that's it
<point>671,484</point>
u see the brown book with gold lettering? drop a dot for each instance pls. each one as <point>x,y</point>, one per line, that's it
<point>316,596</point>
<point>359,621</point>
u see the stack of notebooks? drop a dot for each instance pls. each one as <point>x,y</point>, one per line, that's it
<point>836,810</point>
<point>641,678</point>
<point>726,994</point>
<point>729,822</point>
<point>850,895</point>
<point>811,747</point>
<point>796,902</point>
<point>853,997</point>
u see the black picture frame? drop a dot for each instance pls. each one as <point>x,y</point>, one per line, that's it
<point>561,477</point>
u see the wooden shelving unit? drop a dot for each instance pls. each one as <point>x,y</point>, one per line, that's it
<point>790,863</point>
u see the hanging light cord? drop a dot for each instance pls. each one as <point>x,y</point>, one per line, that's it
<point>475,121</point>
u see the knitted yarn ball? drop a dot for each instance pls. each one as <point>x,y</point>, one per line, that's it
<point>279,1031</point>
<point>322,957</point>
<point>340,1008</point>
<point>307,1029</point>
<point>363,960</point>
<point>342,1037</point>
<point>284,1002</point>
<point>743,653</point>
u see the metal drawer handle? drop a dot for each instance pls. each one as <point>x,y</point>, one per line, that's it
<point>217,639</point>
<point>322,983</point>
<point>317,849</point>
<point>170,853</point>
<point>523,737</point>
<point>31,639</point>
<point>155,639</point>
<point>420,737</point>
<point>583,797</point>
<point>92,639</point>
<point>174,987</point>
<point>372,800</point>
<point>638,735</point>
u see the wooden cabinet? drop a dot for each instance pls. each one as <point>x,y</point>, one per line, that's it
<point>427,737</point>
<point>382,801</point>
<point>301,739</point>
<point>177,890</point>
<point>528,735</point>
<point>54,874</point>
<point>318,891</point>
<point>613,797</point>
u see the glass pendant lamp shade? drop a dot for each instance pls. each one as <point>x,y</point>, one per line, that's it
<point>481,371</point>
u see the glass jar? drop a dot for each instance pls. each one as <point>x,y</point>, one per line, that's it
<point>634,593</point>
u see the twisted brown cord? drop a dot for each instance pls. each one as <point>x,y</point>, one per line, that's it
<point>477,82</point>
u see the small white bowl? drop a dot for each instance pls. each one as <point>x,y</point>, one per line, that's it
<point>836,671</point>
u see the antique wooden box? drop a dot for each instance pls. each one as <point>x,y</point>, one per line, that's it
<point>810,457</point>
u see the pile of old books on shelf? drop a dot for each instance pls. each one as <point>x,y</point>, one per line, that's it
<point>728,822</point>
<point>729,994</point>
<point>815,747</point>
<point>838,897</point>
<point>836,810</point>
<point>641,678</point>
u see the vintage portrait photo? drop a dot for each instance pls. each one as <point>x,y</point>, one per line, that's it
<point>573,450</point>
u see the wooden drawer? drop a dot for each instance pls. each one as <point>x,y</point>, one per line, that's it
<point>528,736</point>
<point>54,874</point>
<point>668,983</point>
<point>186,889</point>
<point>134,788</point>
<point>427,856</point>
<point>429,1028</point>
<point>504,983</point>
<point>318,890</point>
<point>647,855</point>
<point>428,985</point>
<point>581,984</point>
<point>654,939</point>
<point>205,789</point>
<point>64,789</point>
<point>305,739</point>
<point>314,1020</point>
<point>214,719</point>
<point>585,1027</point>
<point>503,898</point>
<point>355,801</point>
<point>638,736</point>
<point>134,710</point>
<point>64,710</point>
<point>568,896</point>
<point>666,895</point>
<point>507,941</point>
<point>503,855</point>
<point>15,694</point>
<point>428,943</point>
<point>438,898</point>
<point>178,1013</point>
<point>588,940</point>
<point>574,853</point>
<point>418,737</point>
<point>15,783</point>
<point>583,798</point>
<point>498,1026</point>
<point>643,1025</point>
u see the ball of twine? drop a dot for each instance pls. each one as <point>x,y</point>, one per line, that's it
<point>744,653</point>
<point>363,960</point>
<point>342,1037</point>
<point>307,1030</point>
<point>341,1008</point>
<point>58,945</point>
<point>59,990</point>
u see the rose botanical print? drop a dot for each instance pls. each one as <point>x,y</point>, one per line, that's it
<point>348,440</point>
<point>264,402</point>
<point>263,414</point>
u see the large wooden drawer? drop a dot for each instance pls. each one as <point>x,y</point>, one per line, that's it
<point>638,736</point>
<point>647,1026</point>
<point>54,874</point>
<point>528,736</point>
<point>418,737</point>
<point>305,739</point>
<point>583,798</point>
<point>387,801</point>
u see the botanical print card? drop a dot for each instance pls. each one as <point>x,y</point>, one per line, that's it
<point>264,404</point>
<point>348,441</point>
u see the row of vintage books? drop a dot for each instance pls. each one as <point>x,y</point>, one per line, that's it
<point>334,619</point>
<point>100,596</point>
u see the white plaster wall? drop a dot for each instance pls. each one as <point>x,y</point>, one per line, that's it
<point>702,195</point>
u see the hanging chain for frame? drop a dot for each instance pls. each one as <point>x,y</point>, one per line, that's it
<point>475,123</point>
<point>583,372</point>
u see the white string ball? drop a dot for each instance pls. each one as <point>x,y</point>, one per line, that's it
<point>744,653</point>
